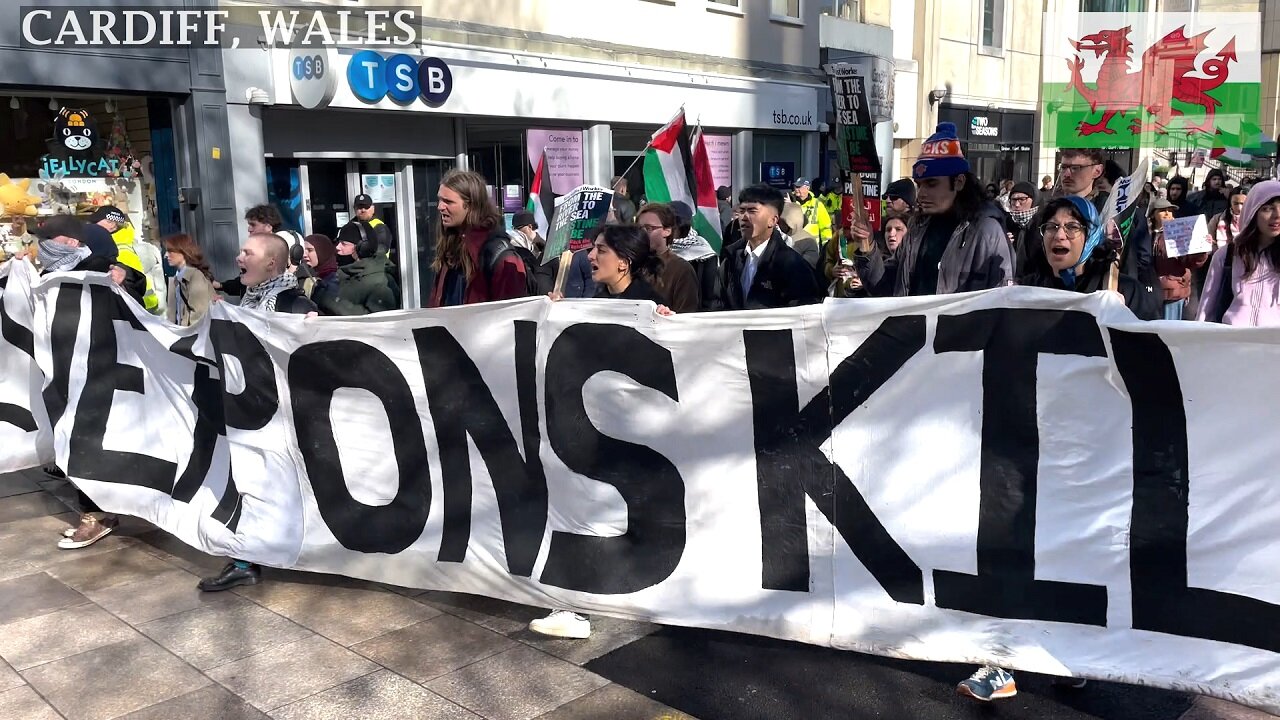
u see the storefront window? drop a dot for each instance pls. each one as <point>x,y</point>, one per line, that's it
<point>75,155</point>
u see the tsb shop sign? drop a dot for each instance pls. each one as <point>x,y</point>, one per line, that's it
<point>403,77</point>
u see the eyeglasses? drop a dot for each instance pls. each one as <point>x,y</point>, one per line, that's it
<point>1019,199</point>
<point>652,228</point>
<point>1074,230</point>
<point>1075,168</point>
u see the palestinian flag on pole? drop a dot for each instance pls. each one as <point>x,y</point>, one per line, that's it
<point>668,177</point>
<point>541,199</point>
<point>706,218</point>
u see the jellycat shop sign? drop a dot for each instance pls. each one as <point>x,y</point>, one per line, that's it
<point>77,149</point>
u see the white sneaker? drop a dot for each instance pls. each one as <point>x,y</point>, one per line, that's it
<point>562,623</point>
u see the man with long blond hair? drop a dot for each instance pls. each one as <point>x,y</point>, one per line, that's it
<point>474,261</point>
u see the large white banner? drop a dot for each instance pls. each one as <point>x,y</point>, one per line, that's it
<point>1023,477</point>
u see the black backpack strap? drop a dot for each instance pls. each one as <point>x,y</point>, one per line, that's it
<point>491,253</point>
<point>1226,293</point>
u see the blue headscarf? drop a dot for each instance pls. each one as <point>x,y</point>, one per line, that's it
<point>1093,237</point>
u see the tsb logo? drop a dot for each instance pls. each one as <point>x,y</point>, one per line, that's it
<point>311,67</point>
<point>403,77</point>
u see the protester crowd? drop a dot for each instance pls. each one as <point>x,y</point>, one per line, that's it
<point>943,232</point>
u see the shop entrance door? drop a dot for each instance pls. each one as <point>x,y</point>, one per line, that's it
<point>327,200</point>
<point>426,181</point>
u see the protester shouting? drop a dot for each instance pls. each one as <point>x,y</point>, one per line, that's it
<point>760,271</point>
<point>1243,284</point>
<point>958,243</point>
<point>624,267</point>
<point>268,286</point>
<point>677,282</point>
<point>474,261</point>
<point>191,287</point>
<point>319,255</point>
<point>62,249</point>
<point>364,277</point>
<point>1075,255</point>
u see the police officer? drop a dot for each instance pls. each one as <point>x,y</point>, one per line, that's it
<point>817,219</point>
<point>363,205</point>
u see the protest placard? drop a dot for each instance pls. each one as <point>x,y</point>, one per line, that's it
<point>576,213</point>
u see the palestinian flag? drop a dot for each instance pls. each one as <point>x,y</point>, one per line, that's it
<point>668,177</point>
<point>541,199</point>
<point>706,218</point>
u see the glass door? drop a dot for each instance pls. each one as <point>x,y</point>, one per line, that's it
<point>426,181</point>
<point>327,196</point>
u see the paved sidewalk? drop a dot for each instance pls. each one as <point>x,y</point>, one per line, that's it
<point>119,630</point>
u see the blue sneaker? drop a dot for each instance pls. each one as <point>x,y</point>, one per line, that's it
<point>989,683</point>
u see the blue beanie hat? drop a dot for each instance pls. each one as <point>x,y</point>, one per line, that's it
<point>940,155</point>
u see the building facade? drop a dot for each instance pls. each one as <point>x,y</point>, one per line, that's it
<point>150,137</point>
<point>494,84</point>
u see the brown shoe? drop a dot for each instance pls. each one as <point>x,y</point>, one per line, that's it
<point>90,531</point>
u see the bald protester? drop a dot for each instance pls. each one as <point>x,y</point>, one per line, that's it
<point>269,286</point>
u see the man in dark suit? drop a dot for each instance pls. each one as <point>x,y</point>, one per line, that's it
<point>760,270</point>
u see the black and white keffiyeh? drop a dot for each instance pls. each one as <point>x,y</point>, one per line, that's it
<point>56,257</point>
<point>263,297</point>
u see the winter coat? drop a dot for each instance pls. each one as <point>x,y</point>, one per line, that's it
<point>195,291</point>
<point>678,284</point>
<point>1255,301</point>
<point>364,287</point>
<point>503,282</point>
<point>1093,277</point>
<point>579,283</point>
<point>1210,204</point>
<point>977,257</point>
<point>1175,273</point>
<point>782,278</point>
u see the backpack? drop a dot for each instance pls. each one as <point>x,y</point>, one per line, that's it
<point>498,245</point>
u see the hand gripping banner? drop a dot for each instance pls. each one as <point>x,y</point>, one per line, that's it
<point>1023,477</point>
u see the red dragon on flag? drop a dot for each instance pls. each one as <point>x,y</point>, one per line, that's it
<point>1165,76</point>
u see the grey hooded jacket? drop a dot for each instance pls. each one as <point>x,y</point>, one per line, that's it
<point>978,257</point>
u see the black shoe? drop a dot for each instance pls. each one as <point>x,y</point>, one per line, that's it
<point>54,471</point>
<point>231,576</point>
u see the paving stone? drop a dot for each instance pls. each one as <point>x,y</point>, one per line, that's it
<point>519,684</point>
<point>113,680</point>
<point>346,615</point>
<point>616,703</point>
<point>29,505</point>
<point>8,678</point>
<point>22,703</point>
<point>378,696</point>
<point>1207,708</point>
<point>288,673</point>
<point>213,701</point>
<point>99,572</point>
<point>211,636</point>
<point>35,542</point>
<point>607,634</point>
<point>46,638</point>
<point>168,593</point>
<point>32,595</point>
<point>179,554</point>
<point>497,615</point>
<point>14,484</point>
<point>433,648</point>
<point>10,569</point>
<point>50,525</point>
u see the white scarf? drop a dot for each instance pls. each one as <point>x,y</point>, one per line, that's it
<point>263,297</point>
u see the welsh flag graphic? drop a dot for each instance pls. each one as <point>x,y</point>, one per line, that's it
<point>669,176</point>
<point>1166,80</point>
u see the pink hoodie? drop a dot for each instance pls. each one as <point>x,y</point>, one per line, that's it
<point>1255,299</point>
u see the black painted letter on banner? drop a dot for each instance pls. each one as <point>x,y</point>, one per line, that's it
<point>1162,601</point>
<point>21,338</point>
<point>1011,341</point>
<point>650,485</point>
<point>104,376</point>
<point>316,372</point>
<point>791,465</point>
<point>461,405</point>
<point>253,407</point>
